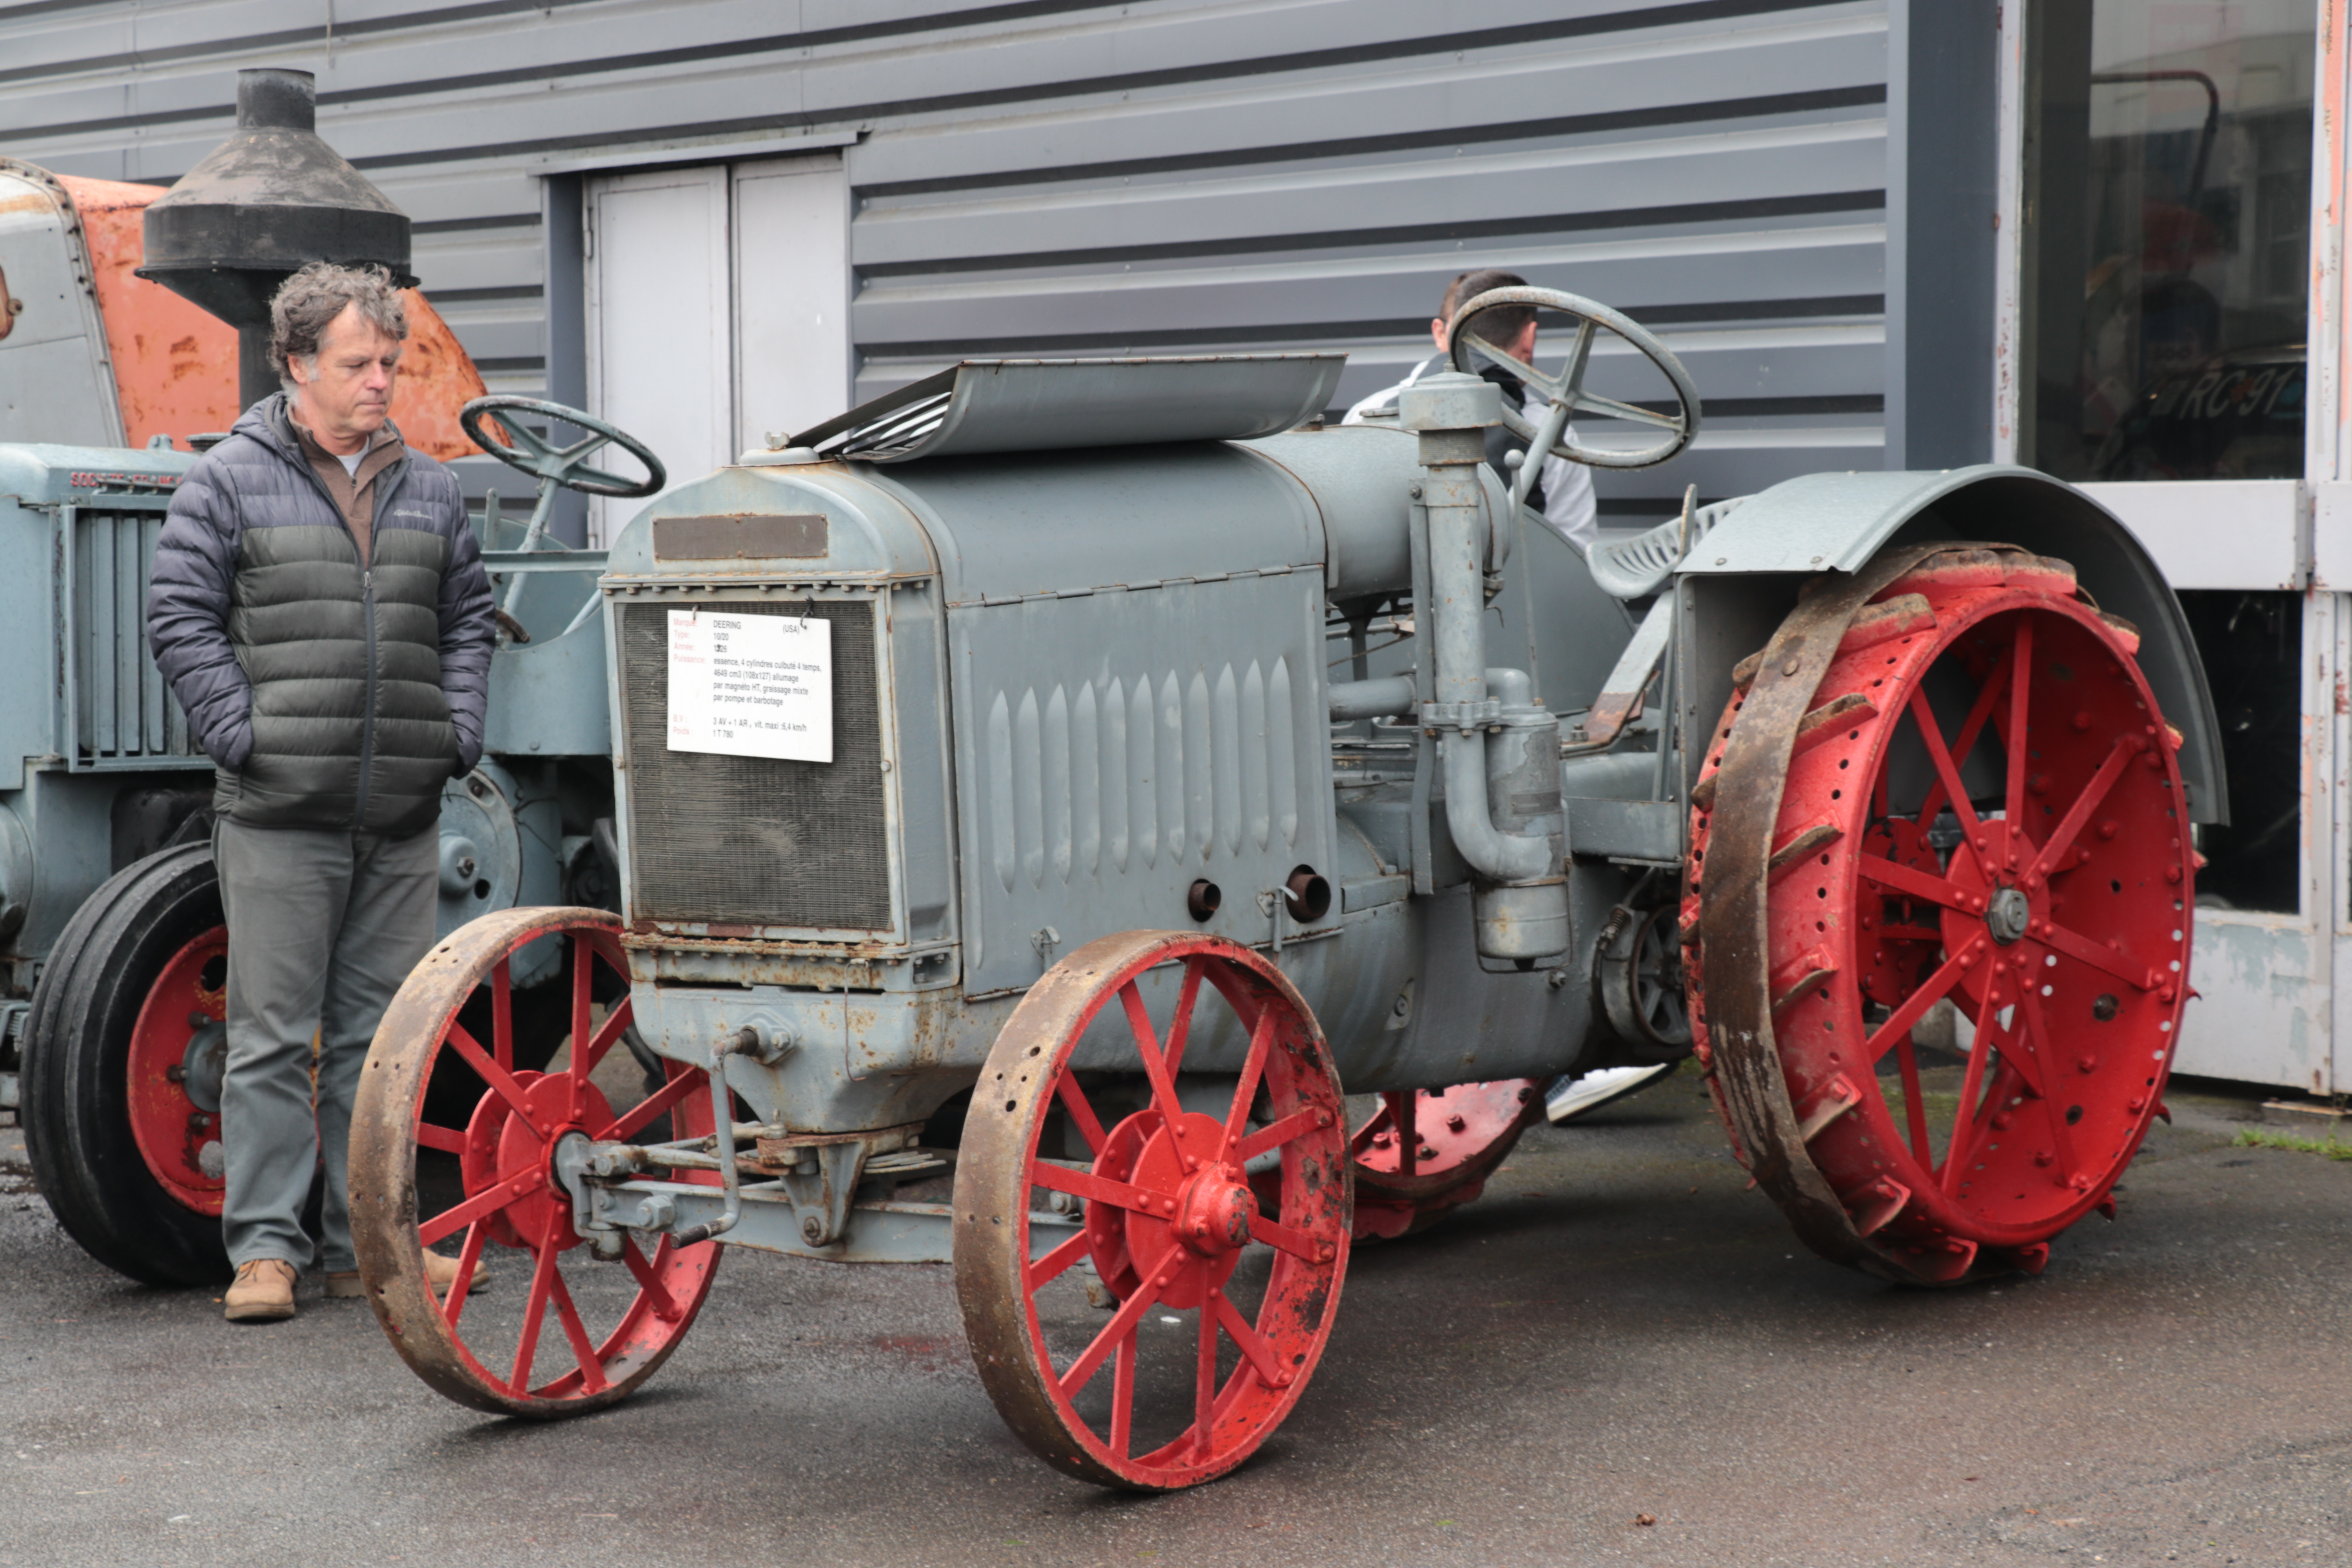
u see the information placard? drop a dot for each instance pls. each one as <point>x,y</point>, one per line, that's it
<point>750,686</point>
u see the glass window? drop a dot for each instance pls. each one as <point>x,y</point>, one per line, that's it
<point>2166,243</point>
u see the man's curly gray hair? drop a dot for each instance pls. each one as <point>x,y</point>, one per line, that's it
<point>316,295</point>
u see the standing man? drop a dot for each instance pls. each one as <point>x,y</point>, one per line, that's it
<point>1562,492</point>
<point>319,605</point>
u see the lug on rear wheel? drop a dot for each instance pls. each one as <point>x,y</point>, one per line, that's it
<point>1978,801</point>
<point>1426,1151</point>
<point>559,1335</point>
<point>1222,1307</point>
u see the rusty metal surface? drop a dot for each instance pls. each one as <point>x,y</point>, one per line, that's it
<point>383,1190</point>
<point>1731,978</point>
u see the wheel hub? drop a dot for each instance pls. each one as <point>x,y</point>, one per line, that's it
<point>2009,914</point>
<point>1214,1209</point>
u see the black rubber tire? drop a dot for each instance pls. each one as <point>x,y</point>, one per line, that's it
<point>76,1110</point>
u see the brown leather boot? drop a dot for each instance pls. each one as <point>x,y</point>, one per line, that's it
<point>439,1271</point>
<point>263,1292</point>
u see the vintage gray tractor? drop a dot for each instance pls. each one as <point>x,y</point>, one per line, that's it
<point>1009,876</point>
<point>113,965</point>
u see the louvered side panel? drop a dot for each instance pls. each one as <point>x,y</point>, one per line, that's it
<point>124,714</point>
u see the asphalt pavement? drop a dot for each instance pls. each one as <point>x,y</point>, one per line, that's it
<point>1618,1333</point>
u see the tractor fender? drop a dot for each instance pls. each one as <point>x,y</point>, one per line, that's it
<point>1837,522</point>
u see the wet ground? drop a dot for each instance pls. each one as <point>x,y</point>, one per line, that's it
<point>1617,1332</point>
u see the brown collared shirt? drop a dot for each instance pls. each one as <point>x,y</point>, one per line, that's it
<point>353,491</point>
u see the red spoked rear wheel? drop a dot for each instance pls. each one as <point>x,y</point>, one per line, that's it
<point>563,1334</point>
<point>1982,804</point>
<point>1426,1151</point>
<point>1223,1309</point>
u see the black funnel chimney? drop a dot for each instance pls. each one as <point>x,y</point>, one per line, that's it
<point>260,206</point>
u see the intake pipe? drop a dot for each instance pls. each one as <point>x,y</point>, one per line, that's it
<point>1525,918</point>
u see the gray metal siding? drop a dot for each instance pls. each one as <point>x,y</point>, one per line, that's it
<point>1169,175</point>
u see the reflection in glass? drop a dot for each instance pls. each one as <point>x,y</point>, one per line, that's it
<point>2167,210</point>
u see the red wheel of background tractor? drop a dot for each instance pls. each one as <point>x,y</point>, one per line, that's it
<point>1172,1224</point>
<point>179,1051</point>
<point>1977,800</point>
<point>415,1182</point>
<point>1426,1151</point>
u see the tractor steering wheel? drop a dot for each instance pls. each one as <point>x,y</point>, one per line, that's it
<point>1567,390</point>
<point>541,459</point>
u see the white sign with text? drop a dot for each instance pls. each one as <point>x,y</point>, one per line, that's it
<point>750,686</point>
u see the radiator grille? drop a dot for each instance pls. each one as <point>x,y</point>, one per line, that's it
<point>124,715</point>
<point>752,840</point>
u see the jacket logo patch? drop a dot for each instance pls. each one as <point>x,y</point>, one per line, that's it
<point>411,511</point>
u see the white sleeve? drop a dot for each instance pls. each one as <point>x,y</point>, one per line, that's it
<point>1567,500</point>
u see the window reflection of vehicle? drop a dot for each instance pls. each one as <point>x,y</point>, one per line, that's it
<point>2234,416</point>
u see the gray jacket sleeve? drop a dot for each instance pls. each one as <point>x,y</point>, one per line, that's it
<point>188,596</point>
<point>468,625</point>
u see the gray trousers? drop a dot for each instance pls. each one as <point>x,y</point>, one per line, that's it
<point>323,926</point>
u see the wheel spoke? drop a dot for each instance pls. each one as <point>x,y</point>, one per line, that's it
<point>470,1254</point>
<point>1296,1242</point>
<point>2062,1141</point>
<point>1155,1067</point>
<point>1180,1027</point>
<point>1252,1066</point>
<point>649,1280</point>
<point>1120,1327</point>
<point>1400,1121</point>
<point>1122,1398</point>
<point>1526,373</point>
<point>1205,1374</point>
<point>638,1116</point>
<point>1913,883</point>
<point>1915,1107</point>
<point>2014,742</point>
<point>1990,1030</point>
<point>2061,838</point>
<point>1270,1370</point>
<point>1579,355</point>
<point>490,1200</point>
<point>1056,1263</point>
<point>1932,736</point>
<point>1979,714</point>
<point>583,971</point>
<point>584,1348</point>
<point>534,1311</point>
<point>501,1082</point>
<point>2109,961</point>
<point>1275,1134</point>
<point>1969,1127</point>
<point>1094,1189</point>
<point>615,1023</point>
<point>1915,1007</point>
<point>449,1139</point>
<point>2027,1053</point>
<point>502,1014</point>
<point>1081,1112</point>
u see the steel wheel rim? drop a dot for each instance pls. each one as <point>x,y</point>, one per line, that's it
<point>2031,1163</point>
<point>1275,1351</point>
<point>511,1200</point>
<point>169,1128</point>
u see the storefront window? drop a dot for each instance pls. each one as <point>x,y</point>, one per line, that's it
<point>2167,245</point>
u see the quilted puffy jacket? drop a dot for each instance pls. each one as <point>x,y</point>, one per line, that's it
<point>328,694</point>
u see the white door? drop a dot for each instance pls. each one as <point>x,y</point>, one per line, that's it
<point>660,366</point>
<point>791,296</point>
<point>717,311</point>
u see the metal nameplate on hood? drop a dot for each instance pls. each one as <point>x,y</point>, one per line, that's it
<point>791,536</point>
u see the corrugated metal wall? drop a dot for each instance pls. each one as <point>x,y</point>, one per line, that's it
<point>1167,175</point>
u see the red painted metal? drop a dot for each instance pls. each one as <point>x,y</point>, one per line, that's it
<point>169,1128</point>
<point>1427,1151</point>
<point>1172,1224</point>
<point>2058,921</point>
<point>492,1184</point>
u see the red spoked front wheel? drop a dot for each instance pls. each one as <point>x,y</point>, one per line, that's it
<point>1980,802</point>
<point>563,1334</point>
<point>1223,1309</point>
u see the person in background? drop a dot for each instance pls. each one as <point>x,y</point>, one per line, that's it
<point>1562,492</point>
<point>319,604</point>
